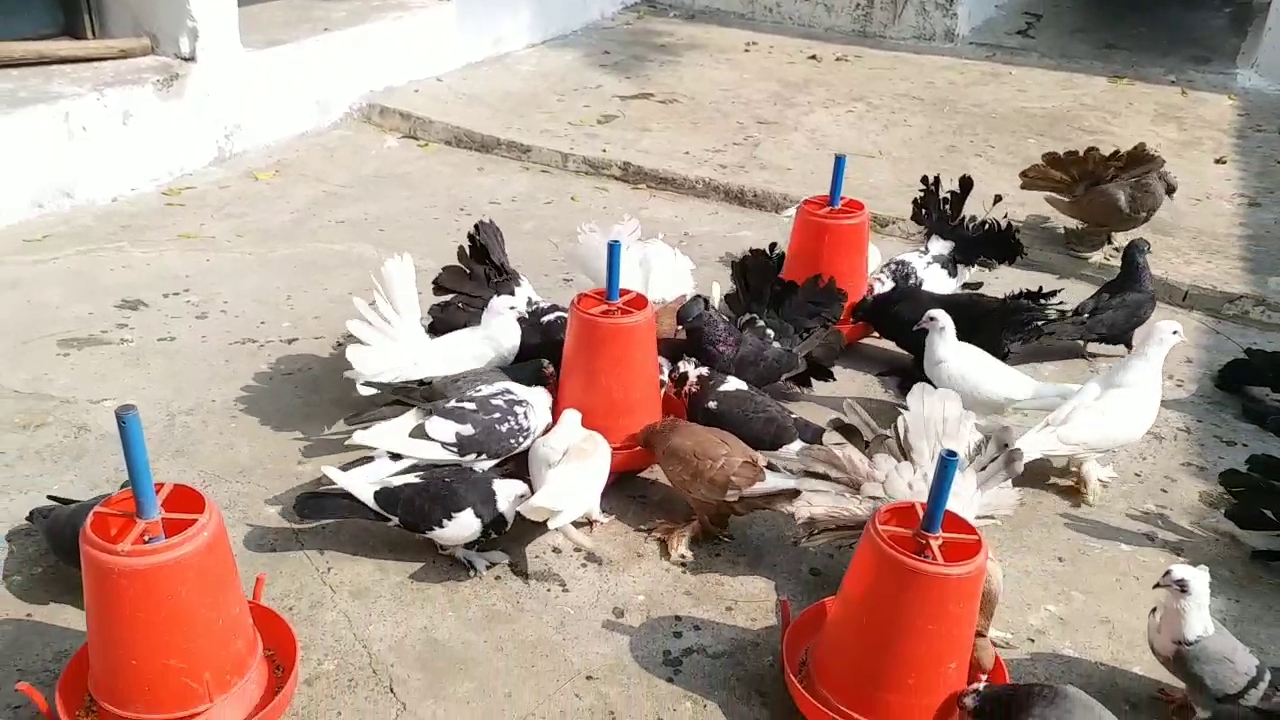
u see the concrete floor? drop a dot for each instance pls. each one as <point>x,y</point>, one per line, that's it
<point>766,110</point>
<point>215,308</point>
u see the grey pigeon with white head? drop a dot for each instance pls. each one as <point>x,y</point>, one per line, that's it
<point>1030,701</point>
<point>1218,670</point>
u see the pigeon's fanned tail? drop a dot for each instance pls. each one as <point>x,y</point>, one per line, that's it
<point>978,241</point>
<point>330,505</point>
<point>483,271</point>
<point>753,277</point>
<point>392,338</point>
<point>61,500</point>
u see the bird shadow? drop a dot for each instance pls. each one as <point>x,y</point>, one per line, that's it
<point>757,546</point>
<point>1130,695</point>
<point>731,667</point>
<point>36,653</point>
<point>32,574</point>
<point>305,394</point>
<point>1099,530</point>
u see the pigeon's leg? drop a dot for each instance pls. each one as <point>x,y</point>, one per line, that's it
<point>1177,701</point>
<point>1089,481</point>
<point>677,537</point>
<point>477,562</point>
<point>597,517</point>
<point>1105,473</point>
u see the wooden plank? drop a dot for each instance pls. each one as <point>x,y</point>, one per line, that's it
<point>33,52</point>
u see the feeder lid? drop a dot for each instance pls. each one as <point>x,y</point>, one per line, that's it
<point>596,304</point>
<point>850,209</point>
<point>957,544</point>
<point>114,526</point>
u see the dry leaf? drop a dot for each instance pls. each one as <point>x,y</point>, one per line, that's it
<point>175,204</point>
<point>42,238</point>
<point>574,198</point>
<point>1220,160</point>
<point>426,145</point>
<point>1184,92</point>
<point>261,175</point>
<point>176,191</point>
<point>190,236</point>
<point>1232,97</point>
<point>1119,80</point>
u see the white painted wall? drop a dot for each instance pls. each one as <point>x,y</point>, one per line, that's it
<point>1259,60</point>
<point>123,139</point>
<point>187,29</point>
<point>972,13</point>
<point>919,20</point>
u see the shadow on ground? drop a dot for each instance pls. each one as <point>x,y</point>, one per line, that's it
<point>1129,695</point>
<point>306,395</point>
<point>32,575</point>
<point>733,668</point>
<point>34,652</point>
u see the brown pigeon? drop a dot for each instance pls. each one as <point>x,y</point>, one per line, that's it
<point>984,652</point>
<point>719,476</point>
<point>1107,194</point>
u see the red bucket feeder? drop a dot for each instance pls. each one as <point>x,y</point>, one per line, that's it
<point>830,238</point>
<point>171,635</point>
<point>895,641</point>
<point>609,371</point>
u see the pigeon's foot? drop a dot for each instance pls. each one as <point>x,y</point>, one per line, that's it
<point>677,537</point>
<point>1178,702</point>
<point>1086,243</point>
<point>597,518</point>
<point>1087,479</point>
<point>477,562</point>
<point>1105,474</point>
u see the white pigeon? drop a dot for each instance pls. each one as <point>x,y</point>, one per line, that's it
<point>568,468</point>
<point>394,346</point>
<point>1110,411</point>
<point>986,385</point>
<point>478,428</point>
<point>898,464</point>
<point>1217,670</point>
<point>652,267</point>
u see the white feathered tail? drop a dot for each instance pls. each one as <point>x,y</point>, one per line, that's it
<point>660,271</point>
<point>391,334</point>
<point>898,464</point>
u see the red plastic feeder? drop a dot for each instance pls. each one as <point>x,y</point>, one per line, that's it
<point>609,372</point>
<point>894,642</point>
<point>171,636</point>
<point>832,241</point>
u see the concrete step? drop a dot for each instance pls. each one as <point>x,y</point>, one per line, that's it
<point>752,118</point>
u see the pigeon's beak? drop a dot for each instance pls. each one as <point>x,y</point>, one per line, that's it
<point>918,326</point>
<point>1160,584</point>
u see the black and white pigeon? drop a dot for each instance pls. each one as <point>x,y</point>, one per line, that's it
<point>399,397</point>
<point>484,272</point>
<point>955,244</point>
<point>723,401</point>
<point>1216,669</point>
<point>1030,701</point>
<point>1255,504</point>
<point>1122,305</point>
<point>458,508</point>
<point>479,428</point>
<point>995,324</point>
<point>59,524</point>
<point>713,340</point>
<point>783,312</point>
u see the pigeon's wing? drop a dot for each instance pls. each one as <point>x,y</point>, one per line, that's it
<point>574,482</point>
<point>977,373</point>
<point>709,465</point>
<point>1220,669</point>
<point>1101,206</point>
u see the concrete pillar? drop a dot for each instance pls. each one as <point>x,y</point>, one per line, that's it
<point>198,30</point>
<point>1259,61</point>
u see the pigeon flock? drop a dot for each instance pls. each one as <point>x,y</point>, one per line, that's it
<point>462,439</point>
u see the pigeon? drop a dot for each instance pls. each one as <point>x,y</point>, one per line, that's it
<point>983,658</point>
<point>1110,411</point>
<point>714,341</point>
<point>404,395</point>
<point>985,385</point>
<point>723,401</point>
<point>569,468</point>
<point>1255,379</point>
<point>395,347</point>
<point>718,475</point>
<point>458,508</point>
<point>785,312</point>
<point>1030,701</point>
<point>1255,504</point>
<point>955,244</point>
<point>484,272</point>
<point>1216,668</point>
<point>1107,194</point>
<point>59,524</point>
<point>1118,308</point>
<point>479,428</point>
<point>880,466</point>
<point>995,324</point>
<point>650,267</point>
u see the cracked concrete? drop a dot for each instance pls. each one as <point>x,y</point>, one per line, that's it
<point>247,284</point>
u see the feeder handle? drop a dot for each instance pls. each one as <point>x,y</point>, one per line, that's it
<point>613,272</point>
<point>944,475</point>
<point>836,193</point>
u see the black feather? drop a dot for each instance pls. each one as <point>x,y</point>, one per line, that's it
<point>318,505</point>
<point>979,241</point>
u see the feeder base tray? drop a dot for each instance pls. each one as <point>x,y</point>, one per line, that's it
<point>798,634</point>
<point>280,646</point>
<point>855,332</point>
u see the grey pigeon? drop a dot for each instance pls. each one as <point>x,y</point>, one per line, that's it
<point>1030,701</point>
<point>60,524</point>
<point>1217,669</point>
